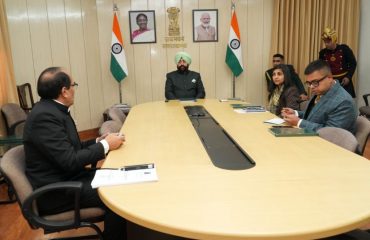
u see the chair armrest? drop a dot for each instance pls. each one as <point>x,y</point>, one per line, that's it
<point>14,126</point>
<point>34,218</point>
<point>365,96</point>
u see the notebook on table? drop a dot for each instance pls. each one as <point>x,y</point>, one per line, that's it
<point>292,132</point>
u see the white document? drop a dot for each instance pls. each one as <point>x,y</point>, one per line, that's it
<point>125,175</point>
<point>276,120</point>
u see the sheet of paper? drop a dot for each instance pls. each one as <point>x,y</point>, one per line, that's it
<point>276,120</point>
<point>125,175</point>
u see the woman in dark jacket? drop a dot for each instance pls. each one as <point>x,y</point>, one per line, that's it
<point>283,93</point>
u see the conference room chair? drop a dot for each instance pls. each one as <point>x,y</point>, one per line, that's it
<point>303,105</point>
<point>109,126</point>
<point>365,110</point>
<point>116,114</point>
<point>12,165</point>
<point>25,96</point>
<point>14,117</point>
<point>362,133</point>
<point>340,137</point>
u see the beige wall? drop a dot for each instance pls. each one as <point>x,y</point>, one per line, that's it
<point>76,34</point>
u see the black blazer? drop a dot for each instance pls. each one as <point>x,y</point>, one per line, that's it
<point>184,85</point>
<point>52,146</point>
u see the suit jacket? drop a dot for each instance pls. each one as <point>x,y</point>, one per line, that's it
<point>295,79</point>
<point>335,109</point>
<point>52,146</point>
<point>184,85</point>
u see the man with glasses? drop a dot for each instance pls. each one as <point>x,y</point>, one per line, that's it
<point>278,59</point>
<point>54,152</point>
<point>330,105</point>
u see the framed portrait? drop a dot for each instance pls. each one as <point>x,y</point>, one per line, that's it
<point>142,26</point>
<point>205,25</point>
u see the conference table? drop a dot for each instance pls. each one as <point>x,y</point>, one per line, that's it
<point>299,188</point>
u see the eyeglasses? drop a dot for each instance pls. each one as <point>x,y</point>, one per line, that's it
<point>74,84</point>
<point>315,83</point>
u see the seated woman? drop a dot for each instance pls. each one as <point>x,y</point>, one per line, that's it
<point>283,92</point>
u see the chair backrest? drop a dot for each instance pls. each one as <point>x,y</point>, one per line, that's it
<point>110,126</point>
<point>303,105</point>
<point>13,116</point>
<point>25,96</point>
<point>116,114</point>
<point>362,132</point>
<point>340,137</point>
<point>13,165</point>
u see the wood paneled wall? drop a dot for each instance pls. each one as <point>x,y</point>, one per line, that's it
<point>76,34</point>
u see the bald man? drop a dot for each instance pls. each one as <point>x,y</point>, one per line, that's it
<point>205,32</point>
<point>183,83</point>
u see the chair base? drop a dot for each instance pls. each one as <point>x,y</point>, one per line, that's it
<point>98,235</point>
<point>78,237</point>
<point>11,195</point>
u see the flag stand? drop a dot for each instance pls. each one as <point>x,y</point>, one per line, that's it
<point>234,98</point>
<point>120,92</point>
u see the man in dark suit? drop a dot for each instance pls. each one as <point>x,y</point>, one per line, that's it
<point>279,59</point>
<point>54,152</point>
<point>330,105</point>
<point>183,83</point>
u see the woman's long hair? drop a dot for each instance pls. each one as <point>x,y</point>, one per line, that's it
<point>287,78</point>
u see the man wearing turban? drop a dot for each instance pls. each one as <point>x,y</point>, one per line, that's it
<point>340,58</point>
<point>183,83</point>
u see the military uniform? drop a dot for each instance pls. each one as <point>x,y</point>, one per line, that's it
<point>342,63</point>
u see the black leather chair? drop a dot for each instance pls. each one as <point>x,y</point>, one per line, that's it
<point>25,96</point>
<point>14,117</point>
<point>365,110</point>
<point>12,166</point>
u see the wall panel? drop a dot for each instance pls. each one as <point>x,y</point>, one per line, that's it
<point>255,70</point>
<point>77,35</point>
<point>39,35</point>
<point>207,58</point>
<point>157,52</point>
<point>19,31</point>
<point>142,57</point>
<point>78,62</point>
<point>223,76</point>
<point>93,70</point>
<point>58,33</point>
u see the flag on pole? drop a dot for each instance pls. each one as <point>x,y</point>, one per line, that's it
<point>234,48</point>
<point>118,65</point>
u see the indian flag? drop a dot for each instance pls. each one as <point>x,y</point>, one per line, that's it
<point>118,65</point>
<point>234,48</point>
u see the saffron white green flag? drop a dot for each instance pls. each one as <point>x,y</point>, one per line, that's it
<point>234,48</point>
<point>118,65</point>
